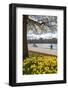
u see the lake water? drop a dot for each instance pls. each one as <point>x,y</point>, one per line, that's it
<point>43,46</point>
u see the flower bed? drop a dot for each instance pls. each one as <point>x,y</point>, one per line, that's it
<point>39,64</point>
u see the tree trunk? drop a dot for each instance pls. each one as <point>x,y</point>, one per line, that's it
<point>25,47</point>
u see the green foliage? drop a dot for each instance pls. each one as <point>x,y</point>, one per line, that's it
<point>39,64</point>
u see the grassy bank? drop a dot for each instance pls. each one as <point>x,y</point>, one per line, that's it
<point>39,64</point>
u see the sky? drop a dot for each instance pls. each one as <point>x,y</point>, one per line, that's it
<point>31,35</point>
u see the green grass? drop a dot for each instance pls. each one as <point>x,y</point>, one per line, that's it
<point>39,64</point>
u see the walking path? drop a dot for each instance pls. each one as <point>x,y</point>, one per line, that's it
<point>44,51</point>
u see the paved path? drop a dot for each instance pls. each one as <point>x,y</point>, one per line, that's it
<point>44,51</point>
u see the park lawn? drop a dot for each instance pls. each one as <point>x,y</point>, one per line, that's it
<point>38,63</point>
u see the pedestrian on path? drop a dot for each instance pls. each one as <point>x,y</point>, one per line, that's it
<point>51,46</point>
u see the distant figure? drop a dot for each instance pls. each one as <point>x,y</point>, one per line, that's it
<point>51,46</point>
